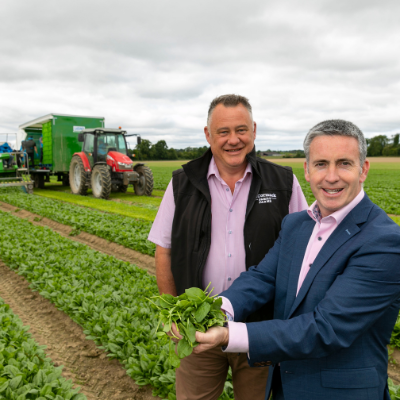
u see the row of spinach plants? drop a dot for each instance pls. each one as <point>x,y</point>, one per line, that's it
<point>25,372</point>
<point>129,232</point>
<point>106,296</point>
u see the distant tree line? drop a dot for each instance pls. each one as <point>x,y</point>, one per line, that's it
<point>160,151</point>
<point>383,146</point>
<point>377,146</point>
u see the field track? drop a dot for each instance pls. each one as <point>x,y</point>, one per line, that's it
<point>113,249</point>
<point>87,366</point>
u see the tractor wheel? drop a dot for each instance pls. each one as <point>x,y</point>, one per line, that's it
<point>101,182</point>
<point>123,188</point>
<point>144,186</point>
<point>77,176</point>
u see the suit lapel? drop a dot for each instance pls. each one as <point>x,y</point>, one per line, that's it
<point>344,232</point>
<point>300,249</point>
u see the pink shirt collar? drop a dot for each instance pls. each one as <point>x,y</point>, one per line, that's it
<point>339,215</point>
<point>213,170</point>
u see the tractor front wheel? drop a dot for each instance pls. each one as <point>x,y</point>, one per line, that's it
<point>101,182</point>
<point>77,176</point>
<point>144,186</point>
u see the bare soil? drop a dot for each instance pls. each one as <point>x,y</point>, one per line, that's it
<point>123,253</point>
<point>87,366</point>
<point>394,366</point>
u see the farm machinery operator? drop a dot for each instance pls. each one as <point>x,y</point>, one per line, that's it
<point>220,215</point>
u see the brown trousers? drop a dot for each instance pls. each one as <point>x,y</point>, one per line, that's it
<point>202,376</point>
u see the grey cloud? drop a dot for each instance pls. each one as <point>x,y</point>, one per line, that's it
<point>154,66</point>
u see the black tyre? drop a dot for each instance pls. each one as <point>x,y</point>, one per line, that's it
<point>77,176</point>
<point>38,181</point>
<point>65,180</point>
<point>144,186</point>
<point>101,182</point>
<point>123,188</point>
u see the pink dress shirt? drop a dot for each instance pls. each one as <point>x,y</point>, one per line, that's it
<point>226,258</point>
<point>324,227</point>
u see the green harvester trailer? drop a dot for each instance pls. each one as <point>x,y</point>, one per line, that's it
<point>59,134</point>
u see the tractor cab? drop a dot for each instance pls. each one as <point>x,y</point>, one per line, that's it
<point>109,146</point>
<point>104,166</point>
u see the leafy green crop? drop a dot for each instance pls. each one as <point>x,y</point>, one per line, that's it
<point>129,232</point>
<point>394,390</point>
<point>25,372</point>
<point>192,311</point>
<point>106,296</point>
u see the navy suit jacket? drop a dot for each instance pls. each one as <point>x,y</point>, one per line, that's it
<point>331,339</point>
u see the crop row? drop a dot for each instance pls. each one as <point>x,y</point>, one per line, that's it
<point>106,296</point>
<point>25,372</point>
<point>129,232</point>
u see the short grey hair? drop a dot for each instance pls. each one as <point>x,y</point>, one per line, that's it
<point>336,127</point>
<point>229,100</point>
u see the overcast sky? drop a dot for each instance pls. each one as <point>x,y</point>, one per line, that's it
<point>153,66</point>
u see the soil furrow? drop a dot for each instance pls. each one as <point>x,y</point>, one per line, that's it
<point>88,367</point>
<point>113,249</point>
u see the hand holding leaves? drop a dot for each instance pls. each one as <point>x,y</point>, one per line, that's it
<point>194,310</point>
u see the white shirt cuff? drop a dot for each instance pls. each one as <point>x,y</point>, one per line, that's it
<point>238,338</point>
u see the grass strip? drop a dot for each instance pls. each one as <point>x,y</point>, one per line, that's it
<point>106,296</point>
<point>100,204</point>
<point>395,219</point>
<point>25,372</point>
<point>129,232</point>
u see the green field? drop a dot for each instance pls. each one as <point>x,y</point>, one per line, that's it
<point>128,210</point>
<point>382,186</point>
<point>111,303</point>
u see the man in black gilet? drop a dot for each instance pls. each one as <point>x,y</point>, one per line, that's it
<point>219,216</point>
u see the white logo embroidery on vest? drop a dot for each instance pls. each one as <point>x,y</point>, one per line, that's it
<point>265,197</point>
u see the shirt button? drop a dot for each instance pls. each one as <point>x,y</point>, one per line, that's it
<point>229,255</point>
<point>229,232</point>
<point>230,210</point>
<point>229,278</point>
<point>310,265</point>
<point>319,238</point>
<point>227,189</point>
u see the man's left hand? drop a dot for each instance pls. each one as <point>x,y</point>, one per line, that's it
<point>214,337</point>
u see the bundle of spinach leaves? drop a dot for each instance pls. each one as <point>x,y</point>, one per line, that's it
<point>194,310</point>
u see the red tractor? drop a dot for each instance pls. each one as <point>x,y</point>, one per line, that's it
<point>104,165</point>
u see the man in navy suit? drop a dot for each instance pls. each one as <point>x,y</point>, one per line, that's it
<point>334,277</point>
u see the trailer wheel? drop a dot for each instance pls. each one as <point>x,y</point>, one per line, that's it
<point>144,186</point>
<point>123,188</point>
<point>38,181</point>
<point>65,180</point>
<point>77,176</point>
<point>101,182</point>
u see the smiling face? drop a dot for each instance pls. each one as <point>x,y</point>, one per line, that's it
<point>334,171</point>
<point>231,135</point>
